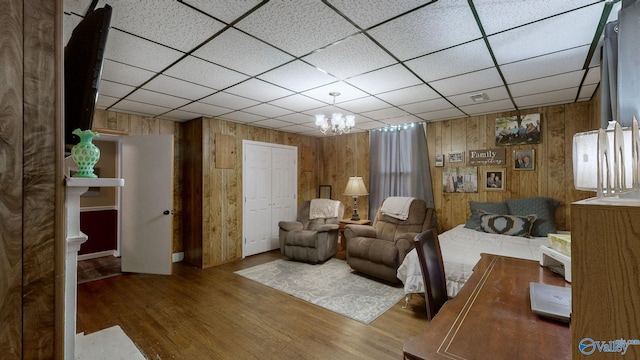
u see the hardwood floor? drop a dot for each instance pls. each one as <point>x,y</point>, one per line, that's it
<point>215,314</point>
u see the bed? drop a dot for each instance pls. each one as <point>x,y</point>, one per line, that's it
<point>461,246</point>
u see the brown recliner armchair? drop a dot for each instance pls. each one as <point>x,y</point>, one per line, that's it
<point>310,240</point>
<point>379,249</point>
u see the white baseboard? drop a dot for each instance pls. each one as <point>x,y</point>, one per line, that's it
<point>177,257</point>
<point>97,255</point>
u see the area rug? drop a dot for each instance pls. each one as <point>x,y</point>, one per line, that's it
<point>107,344</point>
<point>98,268</point>
<point>332,285</point>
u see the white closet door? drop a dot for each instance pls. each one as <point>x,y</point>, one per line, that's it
<point>270,186</point>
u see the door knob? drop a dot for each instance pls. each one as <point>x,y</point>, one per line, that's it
<point>167,212</point>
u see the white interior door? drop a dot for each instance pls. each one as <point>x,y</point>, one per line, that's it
<point>147,203</point>
<point>270,185</point>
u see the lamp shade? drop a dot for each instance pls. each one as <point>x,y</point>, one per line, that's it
<point>355,187</point>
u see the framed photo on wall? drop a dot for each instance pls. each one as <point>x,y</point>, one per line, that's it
<point>518,130</point>
<point>524,159</point>
<point>460,179</point>
<point>439,160</point>
<point>456,157</point>
<point>494,179</point>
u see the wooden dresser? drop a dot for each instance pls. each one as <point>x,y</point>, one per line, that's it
<point>605,265</point>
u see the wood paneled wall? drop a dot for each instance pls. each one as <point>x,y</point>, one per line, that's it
<point>127,124</point>
<point>31,187</point>
<point>341,157</point>
<point>552,176</point>
<point>212,196</point>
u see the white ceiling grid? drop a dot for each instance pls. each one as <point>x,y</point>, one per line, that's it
<point>273,63</point>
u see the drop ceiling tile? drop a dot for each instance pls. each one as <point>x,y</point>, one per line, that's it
<point>138,108</point>
<point>185,29</point>
<point>105,101</point>
<point>258,90</point>
<point>488,107</point>
<point>384,80</point>
<point>549,98</point>
<point>207,110</point>
<point>242,117</point>
<point>347,92</point>
<point>352,56</point>
<point>550,83</point>
<point>409,95</point>
<point>155,98</point>
<point>301,129</point>
<point>497,93</point>
<point>114,89</point>
<point>300,119</point>
<point>498,16</point>
<point>366,13</point>
<point>79,7</point>
<point>384,114</point>
<point>297,76</point>
<point>125,74</point>
<point>238,51</point>
<point>363,105</point>
<point>593,76</point>
<point>297,27</point>
<point>223,10</point>
<point>267,110</point>
<point>180,115</point>
<point>422,31</point>
<point>555,34</point>
<point>541,66</point>
<point>271,123</point>
<point>587,91</point>
<point>297,103</point>
<point>176,87</point>
<point>426,106</point>
<point>205,73</point>
<point>460,59</point>
<point>370,125</point>
<point>472,82</point>
<point>439,115</point>
<point>230,101</point>
<point>128,49</point>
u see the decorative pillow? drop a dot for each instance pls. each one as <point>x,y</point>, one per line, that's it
<point>543,207</point>
<point>506,224</point>
<point>488,207</point>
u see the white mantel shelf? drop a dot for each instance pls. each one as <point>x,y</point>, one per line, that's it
<point>94,182</point>
<point>75,187</point>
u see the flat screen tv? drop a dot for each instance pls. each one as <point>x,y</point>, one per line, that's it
<point>83,59</point>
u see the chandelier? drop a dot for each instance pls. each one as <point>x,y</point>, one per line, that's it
<point>338,124</point>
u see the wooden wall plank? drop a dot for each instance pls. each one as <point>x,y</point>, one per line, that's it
<point>39,179</point>
<point>11,206</point>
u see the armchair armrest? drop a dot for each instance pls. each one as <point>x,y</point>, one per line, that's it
<point>327,227</point>
<point>352,231</point>
<point>404,243</point>
<point>290,225</point>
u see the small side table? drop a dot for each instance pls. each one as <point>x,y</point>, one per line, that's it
<point>342,248</point>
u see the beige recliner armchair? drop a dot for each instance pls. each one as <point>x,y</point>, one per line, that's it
<point>379,249</point>
<point>313,238</point>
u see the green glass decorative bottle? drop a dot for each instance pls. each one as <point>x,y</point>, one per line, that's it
<point>85,153</point>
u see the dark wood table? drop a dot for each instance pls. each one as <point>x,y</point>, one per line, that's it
<point>491,318</point>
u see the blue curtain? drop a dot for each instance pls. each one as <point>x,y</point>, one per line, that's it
<point>399,166</point>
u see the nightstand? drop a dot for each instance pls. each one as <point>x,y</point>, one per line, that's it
<point>342,245</point>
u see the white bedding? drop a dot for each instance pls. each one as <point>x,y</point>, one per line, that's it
<point>461,249</point>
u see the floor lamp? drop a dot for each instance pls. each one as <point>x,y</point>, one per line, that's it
<point>355,187</point>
